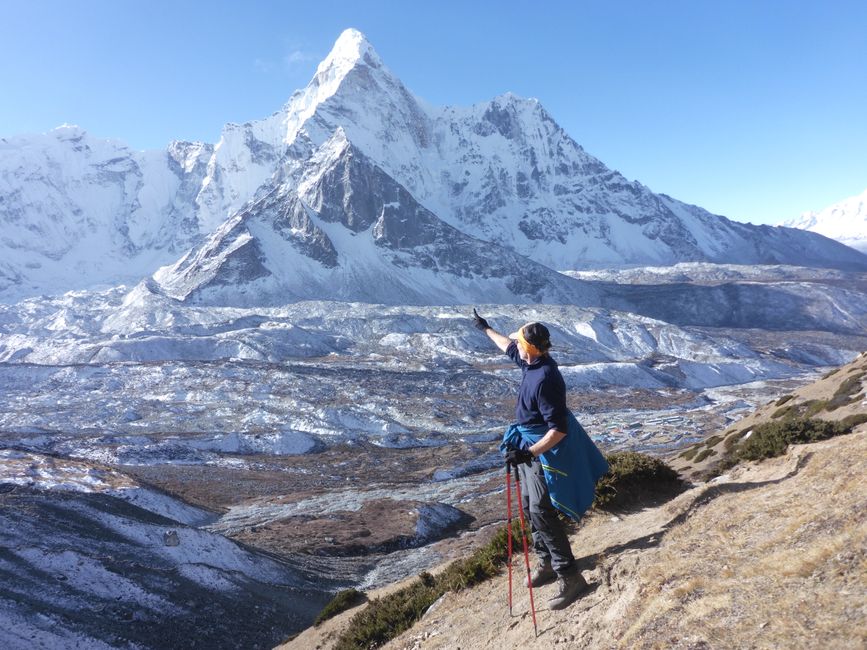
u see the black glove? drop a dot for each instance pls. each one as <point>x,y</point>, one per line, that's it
<point>480,322</point>
<point>517,456</point>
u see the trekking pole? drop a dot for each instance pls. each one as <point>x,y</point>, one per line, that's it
<point>509,528</point>
<point>526,554</point>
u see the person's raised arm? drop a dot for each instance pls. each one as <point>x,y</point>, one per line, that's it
<point>499,340</point>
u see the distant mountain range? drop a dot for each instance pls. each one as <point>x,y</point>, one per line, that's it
<point>355,190</point>
<point>845,221</point>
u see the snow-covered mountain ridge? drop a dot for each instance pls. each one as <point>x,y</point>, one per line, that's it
<point>845,221</point>
<point>501,171</point>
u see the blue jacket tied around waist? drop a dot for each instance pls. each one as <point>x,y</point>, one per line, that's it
<point>571,467</point>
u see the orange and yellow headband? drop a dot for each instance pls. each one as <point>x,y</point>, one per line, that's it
<point>529,347</point>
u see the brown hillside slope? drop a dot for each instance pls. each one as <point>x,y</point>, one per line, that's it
<point>838,395</point>
<point>773,555</point>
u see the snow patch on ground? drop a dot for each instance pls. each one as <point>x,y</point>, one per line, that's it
<point>60,474</point>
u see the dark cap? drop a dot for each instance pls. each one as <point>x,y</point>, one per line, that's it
<point>535,334</point>
<point>538,335</point>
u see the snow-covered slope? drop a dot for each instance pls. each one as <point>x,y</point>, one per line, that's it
<point>845,221</point>
<point>92,560</point>
<point>77,211</point>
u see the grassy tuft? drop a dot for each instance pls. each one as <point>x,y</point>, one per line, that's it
<point>803,410</point>
<point>782,412</point>
<point>733,439</point>
<point>344,600</point>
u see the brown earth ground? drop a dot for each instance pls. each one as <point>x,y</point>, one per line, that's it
<point>770,555</point>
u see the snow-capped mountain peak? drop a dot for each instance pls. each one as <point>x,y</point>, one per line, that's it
<point>67,131</point>
<point>845,221</point>
<point>353,89</point>
<point>351,48</point>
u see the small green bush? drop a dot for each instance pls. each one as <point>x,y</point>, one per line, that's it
<point>384,618</point>
<point>782,412</point>
<point>344,600</point>
<point>771,439</point>
<point>704,454</point>
<point>803,410</point>
<point>712,441</point>
<point>689,453</point>
<point>634,478</point>
<point>846,392</point>
<point>784,399</point>
<point>852,421</point>
<point>813,407</point>
<point>831,373</point>
<point>734,438</point>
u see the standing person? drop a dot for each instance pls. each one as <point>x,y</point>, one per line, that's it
<point>558,463</point>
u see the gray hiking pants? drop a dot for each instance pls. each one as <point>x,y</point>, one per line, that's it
<point>549,535</point>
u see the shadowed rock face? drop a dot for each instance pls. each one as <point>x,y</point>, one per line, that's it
<point>292,222</point>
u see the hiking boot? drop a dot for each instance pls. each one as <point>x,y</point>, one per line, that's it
<point>542,574</point>
<point>571,585</point>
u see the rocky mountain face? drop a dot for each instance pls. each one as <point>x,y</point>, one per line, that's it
<point>355,189</point>
<point>348,229</point>
<point>845,221</point>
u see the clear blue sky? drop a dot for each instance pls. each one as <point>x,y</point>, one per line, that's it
<point>755,109</point>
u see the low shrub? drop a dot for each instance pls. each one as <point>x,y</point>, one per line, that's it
<point>705,453</point>
<point>831,373</point>
<point>634,478</point>
<point>846,392</point>
<point>803,410</point>
<point>782,412</point>
<point>784,399</point>
<point>344,600</point>
<point>734,438</point>
<point>852,421</point>
<point>771,439</point>
<point>689,453</point>
<point>384,618</point>
<point>712,441</point>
